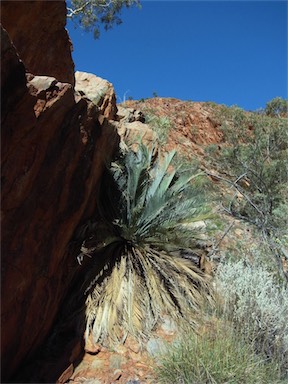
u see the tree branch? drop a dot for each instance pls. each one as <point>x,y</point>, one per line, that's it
<point>236,186</point>
<point>215,247</point>
<point>277,255</point>
<point>75,12</point>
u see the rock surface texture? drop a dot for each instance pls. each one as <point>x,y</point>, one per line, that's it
<point>54,146</point>
<point>37,29</point>
<point>192,125</point>
<point>132,128</point>
<point>99,91</point>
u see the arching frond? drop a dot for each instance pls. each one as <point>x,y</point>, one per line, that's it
<point>157,211</point>
<point>145,285</point>
<point>155,197</point>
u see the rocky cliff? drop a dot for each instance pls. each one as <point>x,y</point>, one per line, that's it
<point>37,29</point>
<point>55,142</point>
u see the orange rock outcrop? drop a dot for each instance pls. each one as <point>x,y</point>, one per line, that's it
<point>54,146</point>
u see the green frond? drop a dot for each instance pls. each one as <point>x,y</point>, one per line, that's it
<point>158,210</point>
<point>154,194</point>
<point>160,175</point>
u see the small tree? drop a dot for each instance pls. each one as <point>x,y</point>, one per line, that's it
<point>90,14</point>
<point>277,107</point>
<point>254,159</point>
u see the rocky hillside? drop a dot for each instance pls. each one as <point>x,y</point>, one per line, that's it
<point>187,126</point>
<point>59,130</point>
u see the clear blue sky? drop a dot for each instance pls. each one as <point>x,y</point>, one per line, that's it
<point>229,52</point>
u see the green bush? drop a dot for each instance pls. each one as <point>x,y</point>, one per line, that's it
<point>211,149</point>
<point>255,157</point>
<point>253,162</point>
<point>258,307</point>
<point>277,107</point>
<point>217,356</point>
<point>247,341</point>
<point>161,125</point>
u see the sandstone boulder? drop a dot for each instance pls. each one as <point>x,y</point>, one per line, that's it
<point>129,115</point>
<point>132,133</point>
<point>131,127</point>
<point>99,91</point>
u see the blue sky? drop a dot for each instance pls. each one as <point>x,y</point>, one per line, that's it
<point>229,52</point>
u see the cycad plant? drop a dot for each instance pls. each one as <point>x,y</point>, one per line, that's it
<point>153,211</point>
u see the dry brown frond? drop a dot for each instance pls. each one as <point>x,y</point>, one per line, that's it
<point>144,285</point>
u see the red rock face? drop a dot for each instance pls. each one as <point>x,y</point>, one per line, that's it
<point>53,150</point>
<point>192,123</point>
<point>37,29</point>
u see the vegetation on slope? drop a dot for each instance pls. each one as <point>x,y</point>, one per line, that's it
<point>217,356</point>
<point>256,304</point>
<point>252,166</point>
<point>246,339</point>
<point>253,163</point>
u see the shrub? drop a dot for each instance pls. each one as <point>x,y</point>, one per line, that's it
<point>254,163</point>
<point>258,307</point>
<point>277,107</point>
<point>256,156</point>
<point>211,149</point>
<point>217,356</point>
<point>161,125</point>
